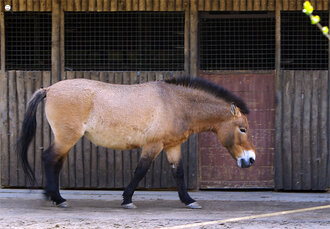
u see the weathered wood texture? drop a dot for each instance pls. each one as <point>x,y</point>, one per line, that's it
<point>87,165</point>
<point>302,131</point>
<point>164,5</point>
<point>217,167</point>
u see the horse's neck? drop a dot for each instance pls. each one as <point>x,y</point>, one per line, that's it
<point>205,110</point>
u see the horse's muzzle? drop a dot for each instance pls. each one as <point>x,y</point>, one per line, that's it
<point>247,159</point>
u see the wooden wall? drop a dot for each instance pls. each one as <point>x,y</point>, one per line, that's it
<point>302,131</point>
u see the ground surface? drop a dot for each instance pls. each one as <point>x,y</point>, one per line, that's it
<point>101,209</point>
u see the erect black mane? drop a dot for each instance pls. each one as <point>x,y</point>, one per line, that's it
<point>207,86</point>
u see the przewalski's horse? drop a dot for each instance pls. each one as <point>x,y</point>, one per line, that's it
<point>155,116</point>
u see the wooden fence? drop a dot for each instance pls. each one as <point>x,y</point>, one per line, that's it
<point>302,131</point>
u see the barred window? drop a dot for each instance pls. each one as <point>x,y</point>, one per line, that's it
<point>237,40</point>
<point>124,41</point>
<point>303,47</point>
<point>28,40</point>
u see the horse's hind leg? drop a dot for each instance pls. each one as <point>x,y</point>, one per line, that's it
<point>175,159</point>
<point>53,159</point>
<point>53,164</point>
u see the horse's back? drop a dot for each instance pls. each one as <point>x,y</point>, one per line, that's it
<point>115,116</point>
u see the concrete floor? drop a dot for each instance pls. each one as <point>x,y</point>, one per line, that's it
<point>161,209</point>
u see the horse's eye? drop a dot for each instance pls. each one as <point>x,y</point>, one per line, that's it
<point>243,130</point>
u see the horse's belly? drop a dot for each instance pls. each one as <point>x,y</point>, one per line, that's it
<point>115,139</point>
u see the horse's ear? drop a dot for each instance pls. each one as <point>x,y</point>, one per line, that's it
<point>234,110</point>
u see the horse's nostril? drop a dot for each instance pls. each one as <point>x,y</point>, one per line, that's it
<point>251,160</point>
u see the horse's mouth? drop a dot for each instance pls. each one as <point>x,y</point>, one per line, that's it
<point>247,159</point>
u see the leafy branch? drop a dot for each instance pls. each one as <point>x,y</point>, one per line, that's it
<point>315,19</point>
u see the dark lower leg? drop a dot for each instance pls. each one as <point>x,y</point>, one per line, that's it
<point>178,174</point>
<point>52,168</point>
<point>140,172</point>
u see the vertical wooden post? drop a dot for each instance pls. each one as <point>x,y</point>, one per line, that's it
<point>61,44</point>
<point>328,124</point>
<point>193,140</point>
<point>194,38</point>
<point>278,110</point>
<point>56,65</point>
<point>186,37</point>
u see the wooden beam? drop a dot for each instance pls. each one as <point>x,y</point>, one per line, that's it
<point>56,21</point>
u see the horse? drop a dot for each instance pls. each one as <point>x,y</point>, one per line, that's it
<point>154,116</point>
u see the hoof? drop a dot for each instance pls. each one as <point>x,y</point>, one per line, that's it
<point>62,205</point>
<point>194,205</point>
<point>129,206</point>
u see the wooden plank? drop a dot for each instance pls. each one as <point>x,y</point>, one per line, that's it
<point>292,5</point>
<point>4,156</point>
<point>319,5</point>
<point>314,129</point>
<point>99,5</point>
<point>14,5</point>
<point>69,5</point>
<point>193,39</point>
<point>128,5</point>
<point>324,137</point>
<point>229,5</point>
<point>249,5</point>
<point>142,5</point>
<point>155,5</point>
<point>297,131</point>
<point>287,120</point>
<point>163,5</point>
<point>223,5</point>
<point>85,5</point>
<point>38,170</point>
<point>179,5</point>
<point>62,41</point>
<point>29,84</point>
<point>43,5</point>
<point>135,5</point>
<point>91,5</point>
<point>171,5</point>
<point>263,4</point>
<point>256,5</point>
<point>46,128</point>
<point>242,5</point>
<point>306,152</point>
<point>285,5</point>
<point>77,5</point>
<point>271,5</point>
<point>186,39</point>
<point>21,100</point>
<point>200,5</point>
<point>236,5</point>
<point>326,7</point>
<point>56,21</point>
<point>13,119</point>
<point>278,165</point>
<point>121,5</point>
<point>207,5</point>
<point>36,5</point>
<point>29,5</point>
<point>113,6</point>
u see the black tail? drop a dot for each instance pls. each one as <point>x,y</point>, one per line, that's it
<point>28,131</point>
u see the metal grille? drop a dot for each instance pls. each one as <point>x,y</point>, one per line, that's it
<point>303,47</point>
<point>28,40</point>
<point>124,41</point>
<point>237,41</point>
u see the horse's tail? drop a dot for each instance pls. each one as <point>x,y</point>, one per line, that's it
<point>28,131</point>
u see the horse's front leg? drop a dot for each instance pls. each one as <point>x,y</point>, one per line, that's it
<point>175,158</point>
<point>149,153</point>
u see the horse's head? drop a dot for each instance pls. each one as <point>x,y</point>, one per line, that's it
<point>233,134</point>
